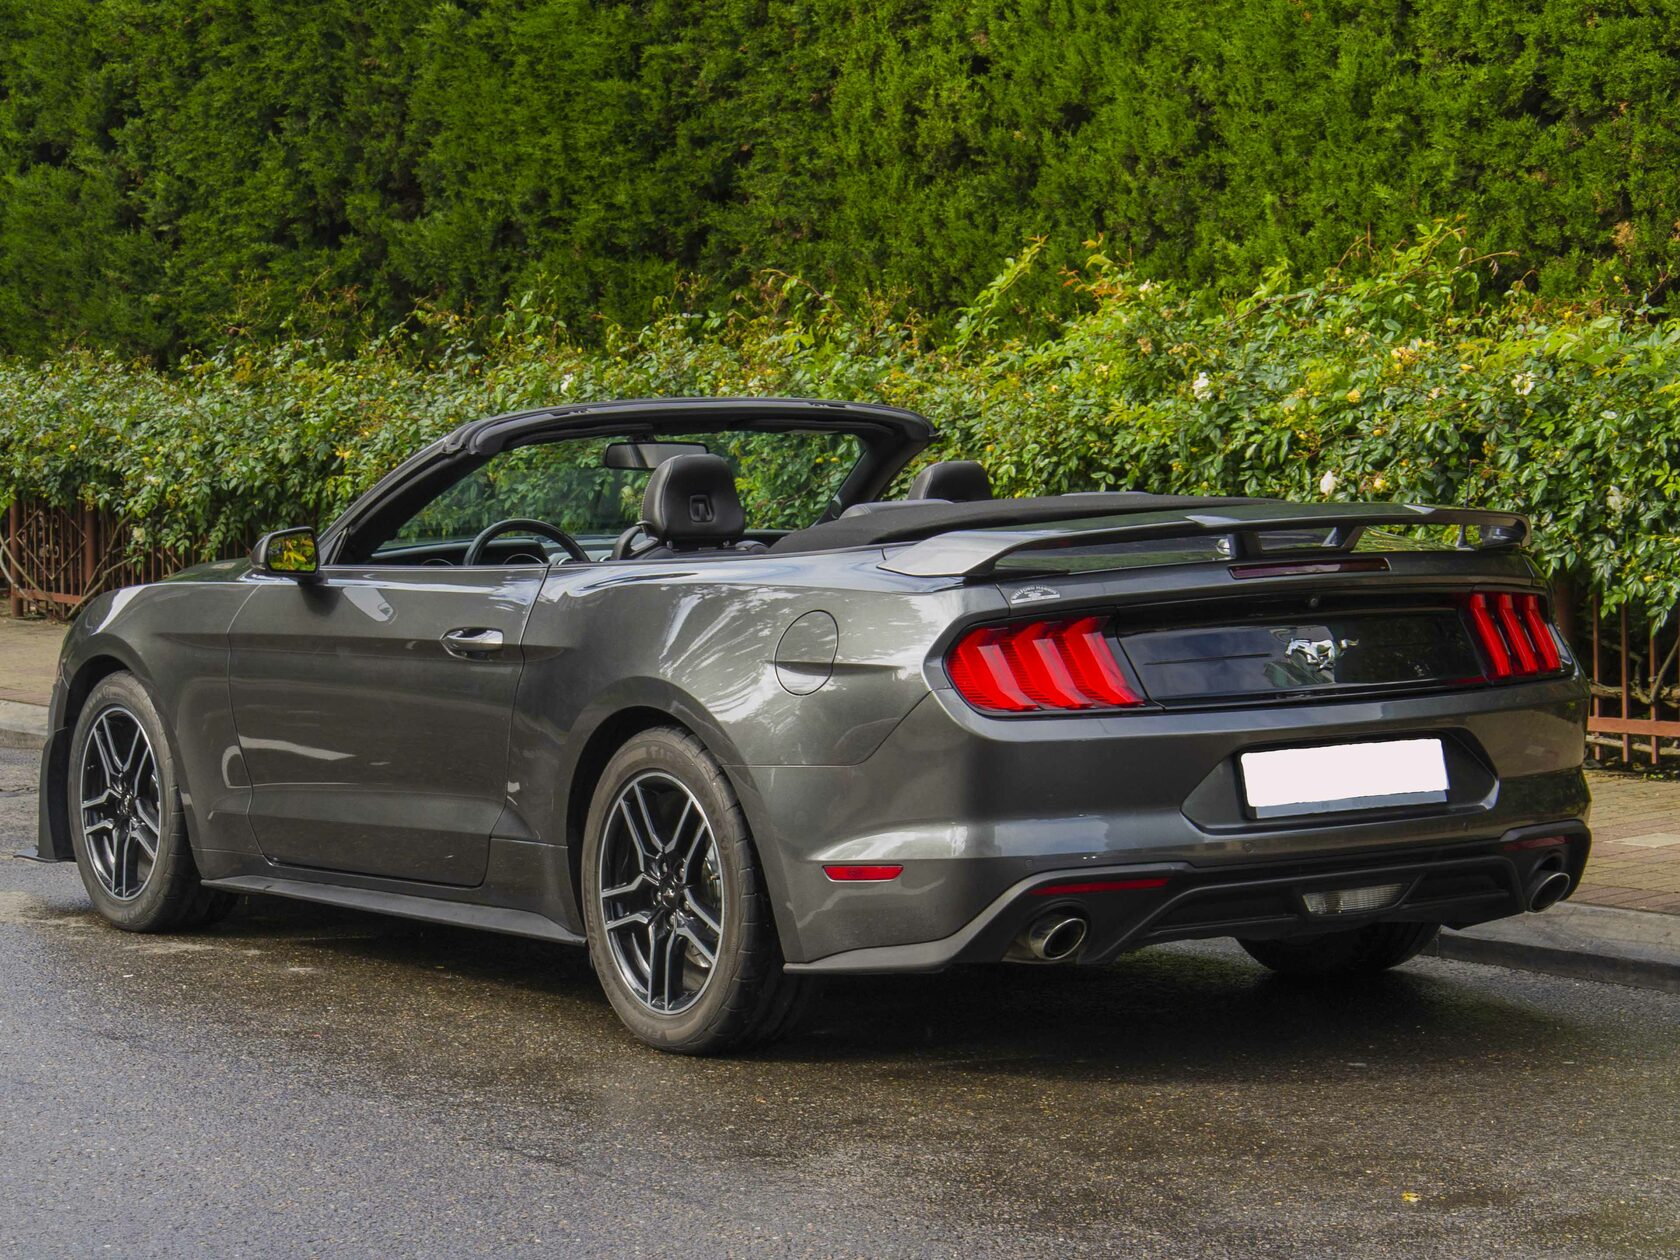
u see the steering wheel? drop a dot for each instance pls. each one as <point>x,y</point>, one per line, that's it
<point>477,547</point>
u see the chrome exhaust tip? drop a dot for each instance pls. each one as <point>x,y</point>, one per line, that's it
<point>1056,936</point>
<point>1546,889</point>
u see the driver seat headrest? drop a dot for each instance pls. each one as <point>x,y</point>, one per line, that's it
<point>691,501</point>
<point>956,480</point>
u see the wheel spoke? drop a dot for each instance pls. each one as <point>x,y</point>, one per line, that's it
<point>625,920</point>
<point>143,768</point>
<point>147,814</point>
<point>699,946</point>
<point>699,910</point>
<point>119,863</point>
<point>99,853</point>
<point>663,959</point>
<point>107,753</point>
<point>131,759</point>
<point>148,844</point>
<point>674,848</point>
<point>656,847</point>
<point>94,802</point>
<point>639,880</point>
<point>696,844</point>
<point>644,855</point>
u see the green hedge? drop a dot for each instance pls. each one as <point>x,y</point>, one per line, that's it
<point>174,169</point>
<point>1402,383</point>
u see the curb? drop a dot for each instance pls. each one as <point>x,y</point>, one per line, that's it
<point>1637,948</point>
<point>22,725</point>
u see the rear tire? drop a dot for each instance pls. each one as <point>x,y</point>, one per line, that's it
<point>1357,952</point>
<point>127,826</point>
<point>686,821</point>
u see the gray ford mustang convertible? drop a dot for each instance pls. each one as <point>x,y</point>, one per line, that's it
<point>704,684</point>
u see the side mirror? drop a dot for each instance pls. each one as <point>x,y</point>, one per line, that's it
<point>287,553</point>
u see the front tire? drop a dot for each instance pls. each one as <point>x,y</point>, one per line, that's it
<point>127,826</point>
<point>1357,952</point>
<point>675,906</point>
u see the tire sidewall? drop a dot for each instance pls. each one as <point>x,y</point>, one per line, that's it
<point>672,753</point>
<point>154,903</point>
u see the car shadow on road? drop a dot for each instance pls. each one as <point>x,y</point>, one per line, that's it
<point>1201,1008</point>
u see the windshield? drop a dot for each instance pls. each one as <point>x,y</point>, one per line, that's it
<point>785,480</point>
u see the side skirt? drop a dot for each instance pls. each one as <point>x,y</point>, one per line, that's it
<point>405,906</point>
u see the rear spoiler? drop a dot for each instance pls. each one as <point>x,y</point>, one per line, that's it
<point>976,553</point>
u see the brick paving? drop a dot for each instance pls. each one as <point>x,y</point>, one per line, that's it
<point>1635,863</point>
<point>28,658</point>
<point>1636,821</point>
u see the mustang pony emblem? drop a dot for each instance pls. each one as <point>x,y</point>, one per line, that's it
<point>1319,655</point>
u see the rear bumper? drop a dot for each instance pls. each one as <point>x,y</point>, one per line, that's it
<point>973,808</point>
<point>1457,885</point>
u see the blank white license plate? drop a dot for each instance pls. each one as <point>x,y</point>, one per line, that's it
<point>1344,776</point>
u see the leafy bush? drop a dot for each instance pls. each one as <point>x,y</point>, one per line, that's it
<point>173,169</point>
<point>1398,383</point>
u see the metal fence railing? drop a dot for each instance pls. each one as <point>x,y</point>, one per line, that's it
<point>54,559</point>
<point>1632,664</point>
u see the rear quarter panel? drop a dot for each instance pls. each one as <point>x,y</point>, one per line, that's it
<point>700,641</point>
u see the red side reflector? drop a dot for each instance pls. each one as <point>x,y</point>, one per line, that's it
<point>1097,886</point>
<point>862,874</point>
<point>1035,666</point>
<point>1535,842</point>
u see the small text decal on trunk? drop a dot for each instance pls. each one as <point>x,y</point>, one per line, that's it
<point>1033,595</point>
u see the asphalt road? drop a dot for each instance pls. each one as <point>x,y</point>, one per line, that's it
<point>299,1082</point>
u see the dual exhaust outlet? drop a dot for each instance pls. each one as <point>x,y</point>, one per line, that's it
<point>1057,935</point>
<point>1546,887</point>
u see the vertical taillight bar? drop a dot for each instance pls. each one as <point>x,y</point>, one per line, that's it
<point>1514,634</point>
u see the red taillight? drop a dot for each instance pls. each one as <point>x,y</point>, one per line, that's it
<point>981,673</point>
<point>862,874</point>
<point>1516,639</point>
<point>1540,633</point>
<point>1516,634</point>
<point>1039,665</point>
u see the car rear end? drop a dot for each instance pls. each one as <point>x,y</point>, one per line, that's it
<point>1250,725</point>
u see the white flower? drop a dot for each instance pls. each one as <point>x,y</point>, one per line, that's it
<point>1146,286</point>
<point>1523,383</point>
<point>565,382</point>
<point>1202,387</point>
<point>1614,501</point>
<point>1327,484</point>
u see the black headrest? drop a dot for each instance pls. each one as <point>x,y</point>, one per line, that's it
<point>691,501</point>
<point>958,480</point>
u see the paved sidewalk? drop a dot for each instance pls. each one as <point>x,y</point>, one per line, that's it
<point>28,658</point>
<point>1635,862</point>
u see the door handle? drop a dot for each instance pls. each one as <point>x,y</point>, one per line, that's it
<point>472,643</point>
